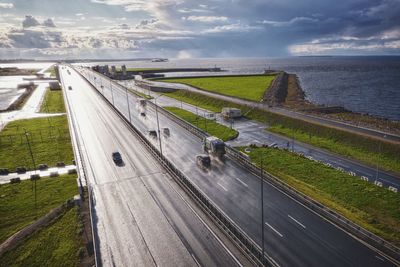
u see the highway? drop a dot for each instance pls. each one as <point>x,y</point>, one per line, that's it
<point>294,235</point>
<point>141,218</point>
<point>251,132</point>
<point>290,113</point>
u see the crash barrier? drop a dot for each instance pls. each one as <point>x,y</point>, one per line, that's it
<point>81,172</point>
<point>238,236</point>
<point>349,226</point>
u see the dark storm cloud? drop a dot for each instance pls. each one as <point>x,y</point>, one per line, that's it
<point>226,27</point>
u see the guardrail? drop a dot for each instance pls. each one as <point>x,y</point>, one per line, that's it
<point>377,242</point>
<point>79,155</point>
<point>238,236</point>
<point>365,235</point>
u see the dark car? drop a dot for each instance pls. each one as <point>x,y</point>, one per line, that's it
<point>69,88</point>
<point>116,156</point>
<point>203,160</point>
<point>142,114</point>
<point>153,133</point>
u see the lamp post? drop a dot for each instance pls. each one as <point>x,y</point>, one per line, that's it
<point>112,95</point>
<point>127,101</point>
<point>158,122</point>
<point>34,164</point>
<point>262,210</point>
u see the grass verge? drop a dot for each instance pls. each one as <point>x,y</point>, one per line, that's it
<point>53,102</point>
<point>210,126</point>
<point>367,150</point>
<point>375,208</point>
<point>251,87</point>
<point>48,138</point>
<point>17,206</point>
<point>143,95</point>
<point>52,71</point>
<point>57,244</point>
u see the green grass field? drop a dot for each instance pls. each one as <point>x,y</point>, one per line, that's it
<point>367,150</point>
<point>49,139</point>
<point>375,208</point>
<point>52,71</point>
<point>210,126</point>
<point>53,102</point>
<point>17,206</point>
<point>55,245</point>
<point>250,87</point>
<point>143,95</point>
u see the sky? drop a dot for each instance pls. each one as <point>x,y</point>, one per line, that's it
<point>192,29</point>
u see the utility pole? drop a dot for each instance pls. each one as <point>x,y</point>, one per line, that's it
<point>262,210</point>
<point>112,95</point>
<point>158,127</point>
<point>34,165</point>
<point>127,101</point>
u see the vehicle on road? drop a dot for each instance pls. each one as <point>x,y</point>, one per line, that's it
<point>166,131</point>
<point>214,146</point>
<point>143,102</point>
<point>69,88</point>
<point>142,114</point>
<point>117,158</point>
<point>153,133</point>
<point>203,160</point>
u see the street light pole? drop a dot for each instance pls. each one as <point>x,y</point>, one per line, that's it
<point>34,164</point>
<point>112,95</point>
<point>127,101</point>
<point>158,124</point>
<point>262,210</point>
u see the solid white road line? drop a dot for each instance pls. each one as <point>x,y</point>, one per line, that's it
<point>379,258</point>
<point>273,229</point>
<point>243,183</point>
<point>299,223</point>
<point>223,187</point>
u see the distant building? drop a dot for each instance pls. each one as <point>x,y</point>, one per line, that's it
<point>54,86</point>
<point>113,70</point>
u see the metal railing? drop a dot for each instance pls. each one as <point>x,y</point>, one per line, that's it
<point>227,225</point>
<point>353,228</point>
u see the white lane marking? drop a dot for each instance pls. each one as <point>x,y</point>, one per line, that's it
<point>379,258</point>
<point>223,187</point>
<point>273,229</point>
<point>299,223</point>
<point>243,183</point>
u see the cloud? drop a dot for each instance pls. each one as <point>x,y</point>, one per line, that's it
<point>206,18</point>
<point>291,22</point>
<point>6,5</point>
<point>49,23</point>
<point>30,21</point>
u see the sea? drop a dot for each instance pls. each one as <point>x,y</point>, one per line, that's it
<point>364,84</point>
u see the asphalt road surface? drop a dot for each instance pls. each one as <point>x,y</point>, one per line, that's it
<point>294,235</point>
<point>139,218</point>
<point>286,112</point>
<point>252,132</point>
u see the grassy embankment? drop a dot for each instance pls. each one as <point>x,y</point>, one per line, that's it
<point>362,148</point>
<point>17,206</point>
<point>372,207</point>
<point>210,126</point>
<point>250,87</point>
<point>53,102</point>
<point>52,71</point>
<point>48,137</point>
<point>143,95</point>
<point>56,245</point>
